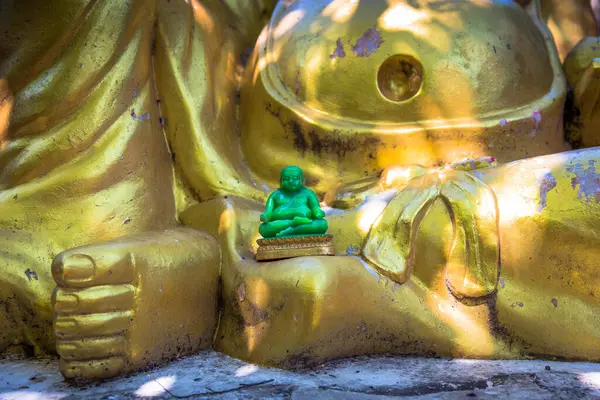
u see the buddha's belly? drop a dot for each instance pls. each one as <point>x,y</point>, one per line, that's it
<point>292,211</point>
<point>497,90</point>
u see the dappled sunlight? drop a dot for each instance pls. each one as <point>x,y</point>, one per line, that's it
<point>310,88</point>
<point>368,214</point>
<point>470,332</point>
<point>246,370</point>
<point>6,107</point>
<point>253,244</point>
<point>397,176</point>
<point>254,335</point>
<point>287,23</point>
<point>518,204</point>
<point>465,361</point>
<point>202,16</point>
<point>259,292</point>
<point>318,285</point>
<point>403,17</point>
<point>226,219</point>
<point>340,11</point>
<point>528,199</point>
<point>592,380</point>
<point>257,297</point>
<point>260,66</point>
<point>156,387</point>
<point>30,395</point>
<point>486,204</point>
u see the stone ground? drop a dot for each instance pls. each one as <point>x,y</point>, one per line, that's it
<point>213,375</point>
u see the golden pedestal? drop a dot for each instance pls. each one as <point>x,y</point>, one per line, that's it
<point>299,246</point>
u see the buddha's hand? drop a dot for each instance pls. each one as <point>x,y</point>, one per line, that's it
<point>472,267</point>
<point>265,217</point>
<point>301,221</point>
<point>135,301</point>
<point>319,214</point>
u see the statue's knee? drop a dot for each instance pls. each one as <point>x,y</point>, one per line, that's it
<point>265,230</point>
<point>321,225</point>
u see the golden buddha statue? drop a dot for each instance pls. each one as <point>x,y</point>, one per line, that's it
<point>134,174</point>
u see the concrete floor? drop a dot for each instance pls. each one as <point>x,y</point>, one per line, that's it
<point>213,375</point>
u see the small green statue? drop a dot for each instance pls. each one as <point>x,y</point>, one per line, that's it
<point>293,209</point>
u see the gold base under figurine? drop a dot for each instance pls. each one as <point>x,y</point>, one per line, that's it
<point>298,246</point>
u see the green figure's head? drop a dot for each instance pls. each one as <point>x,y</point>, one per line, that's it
<point>292,179</point>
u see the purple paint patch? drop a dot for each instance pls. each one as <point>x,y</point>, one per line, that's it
<point>339,50</point>
<point>588,181</point>
<point>536,117</point>
<point>29,273</point>
<point>547,183</point>
<point>555,303</point>
<point>368,43</point>
<point>353,250</point>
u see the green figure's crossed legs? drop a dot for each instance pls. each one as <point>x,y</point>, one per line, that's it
<point>296,226</point>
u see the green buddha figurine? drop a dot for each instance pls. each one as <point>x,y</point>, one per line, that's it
<point>293,224</point>
<point>293,209</point>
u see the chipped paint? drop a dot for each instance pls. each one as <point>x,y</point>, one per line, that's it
<point>29,273</point>
<point>586,180</point>
<point>504,123</point>
<point>352,250</point>
<point>298,83</point>
<point>547,182</point>
<point>339,50</point>
<point>368,43</point>
<point>145,116</point>
<point>536,118</point>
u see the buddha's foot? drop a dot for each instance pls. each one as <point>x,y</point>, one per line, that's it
<point>133,302</point>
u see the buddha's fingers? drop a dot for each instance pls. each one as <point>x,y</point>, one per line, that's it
<point>90,325</point>
<point>390,245</point>
<point>98,299</point>
<point>95,348</point>
<point>93,369</point>
<point>473,265</point>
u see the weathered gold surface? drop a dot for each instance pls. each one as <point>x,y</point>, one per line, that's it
<point>85,167</point>
<point>569,21</point>
<point>583,74</point>
<point>119,122</point>
<point>276,249</point>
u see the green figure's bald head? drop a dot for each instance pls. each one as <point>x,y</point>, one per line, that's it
<point>292,179</point>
